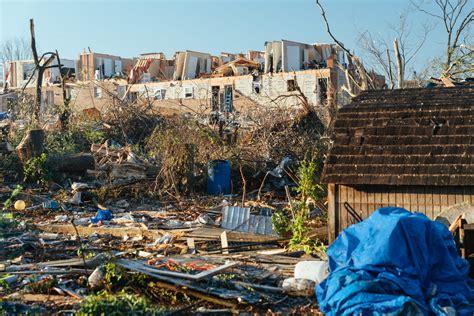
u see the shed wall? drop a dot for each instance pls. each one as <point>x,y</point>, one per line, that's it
<point>430,200</point>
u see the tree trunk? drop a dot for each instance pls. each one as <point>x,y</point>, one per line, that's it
<point>40,70</point>
<point>77,163</point>
<point>390,75</point>
<point>32,145</point>
<point>399,65</point>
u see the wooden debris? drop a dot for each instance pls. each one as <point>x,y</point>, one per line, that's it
<point>134,265</point>
<point>224,243</point>
<point>42,298</point>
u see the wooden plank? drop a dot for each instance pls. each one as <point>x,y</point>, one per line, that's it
<point>413,200</point>
<point>378,199</point>
<point>342,211</point>
<point>406,198</point>
<point>103,230</point>
<point>42,298</point>
<point>191,245</point>
<point>357,203</point>
<point>459,197</point>
<point>421,201</point>
<point>398,200</point>
<point>451,196</point>
<point>224,243</point>
<point>365,201</point>
<point>429,202</point>
<point>350,199</point>
<point>436,201</point>
<point>332,213</point>
<point>214,233</point>
<point>370,201</point>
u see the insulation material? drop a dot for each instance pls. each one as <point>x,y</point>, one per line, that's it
<point>108,70</point>
<point>268,59</point>
<point>293,58</point>
<point>118,66</point>
<point>190,67</point>
<point>277,56</point>
<point>178,73</point>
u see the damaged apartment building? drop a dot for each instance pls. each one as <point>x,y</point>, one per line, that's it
<point>234,82</point>
<point>279,76</point>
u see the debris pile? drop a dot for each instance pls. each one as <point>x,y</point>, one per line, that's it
<point>139,224</point>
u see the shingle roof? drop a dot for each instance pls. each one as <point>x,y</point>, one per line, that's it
<point>405,137</point>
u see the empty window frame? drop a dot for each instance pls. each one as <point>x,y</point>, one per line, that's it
<point>97,92</point>
<point>215,101</point>
<point>160,94</point>
<point>188,92</point>
<point>322,89</point>
<point>290,85</point>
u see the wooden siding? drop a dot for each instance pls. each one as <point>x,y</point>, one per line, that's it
<point>430,200</point>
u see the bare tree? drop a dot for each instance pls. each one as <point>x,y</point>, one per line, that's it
<point>457,17</point>
<point>358,78</point>
<point>406,46</point>
<point>14,49</point>
<point>42,63</point>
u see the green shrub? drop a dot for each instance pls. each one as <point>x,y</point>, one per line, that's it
<point>14,193</point>
<point>35,170</point>
<point>117,304</point>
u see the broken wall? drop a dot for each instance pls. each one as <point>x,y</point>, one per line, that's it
<point>274,89</point>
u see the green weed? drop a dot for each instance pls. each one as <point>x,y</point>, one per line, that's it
<point>117,304</point>
<point>35,170</point>
<point>14,193</point>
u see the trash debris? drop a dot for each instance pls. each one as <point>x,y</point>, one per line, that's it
<point>50,205</point>
<point>312,270</point>
<point>298,287</point>
<point>20,205</point>
<point>101,215</point>
<point>79,186</point>
<point>96,279</point>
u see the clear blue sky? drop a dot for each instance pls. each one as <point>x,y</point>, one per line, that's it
<point>127,28</point>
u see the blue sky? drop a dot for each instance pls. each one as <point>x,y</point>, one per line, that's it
<point>128,28</point>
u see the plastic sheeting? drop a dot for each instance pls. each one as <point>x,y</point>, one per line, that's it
<point>101,215</point>
<point>396,262</point>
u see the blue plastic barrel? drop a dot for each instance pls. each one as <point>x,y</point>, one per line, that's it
<point>218,177</point>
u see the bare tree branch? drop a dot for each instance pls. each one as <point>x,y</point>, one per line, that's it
<point>328,29</point>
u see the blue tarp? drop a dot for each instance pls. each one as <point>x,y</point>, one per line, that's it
<point>3,115</point>
<point>396,262</point>
<point>101,215</point>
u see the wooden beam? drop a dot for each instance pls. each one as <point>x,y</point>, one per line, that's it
<point>113,231</point>
<point>42,298</point>
<point>332,229</point>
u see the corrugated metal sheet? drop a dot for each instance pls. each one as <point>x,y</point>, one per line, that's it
<point>239,219</point>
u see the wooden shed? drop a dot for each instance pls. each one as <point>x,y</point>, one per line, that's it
<point>410,148</point>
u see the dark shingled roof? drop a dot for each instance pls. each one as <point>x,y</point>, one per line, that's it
<point>405,137</point>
